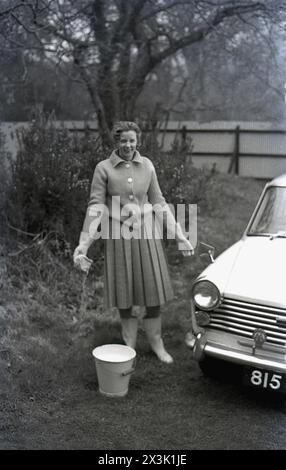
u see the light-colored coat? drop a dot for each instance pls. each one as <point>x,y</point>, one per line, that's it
<point>136,271</point>
<point>118,183</point>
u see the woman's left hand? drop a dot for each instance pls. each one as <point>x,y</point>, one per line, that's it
<point>185,247</point>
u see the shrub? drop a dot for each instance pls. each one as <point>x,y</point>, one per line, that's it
<point>180,181</point>
<point>4,157</point>
<point>50,182</point>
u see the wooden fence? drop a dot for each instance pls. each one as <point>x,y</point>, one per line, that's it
<point>249,149</point>
<point>260,153</point>
<point>256,152</point>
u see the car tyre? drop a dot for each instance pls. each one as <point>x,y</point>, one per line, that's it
<point>215,368</point>
<point>210,366</point>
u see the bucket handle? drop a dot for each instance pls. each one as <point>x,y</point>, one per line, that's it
<point>130,371</point>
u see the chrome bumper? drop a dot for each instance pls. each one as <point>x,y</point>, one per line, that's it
<point>242,358</point>
<point>204,348</point>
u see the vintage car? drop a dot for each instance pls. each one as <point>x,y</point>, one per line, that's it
<point>238,302</point>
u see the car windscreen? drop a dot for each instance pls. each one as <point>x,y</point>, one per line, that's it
<point>270,218</point>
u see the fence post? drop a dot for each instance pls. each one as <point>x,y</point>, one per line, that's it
<point>235,157</point>
<point>236,150</point>
<point>184,134</point>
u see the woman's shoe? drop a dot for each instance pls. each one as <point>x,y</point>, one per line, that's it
<point>129,328</point>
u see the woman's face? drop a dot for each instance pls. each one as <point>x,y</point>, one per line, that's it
<point>127,144</point>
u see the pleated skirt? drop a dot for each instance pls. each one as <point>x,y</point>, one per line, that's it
<point>136,273</point>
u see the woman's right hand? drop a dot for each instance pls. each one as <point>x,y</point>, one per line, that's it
<point>81,250</point>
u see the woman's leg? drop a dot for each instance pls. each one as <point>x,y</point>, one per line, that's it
<point>153,312</point>
<point>153,328</point>
<point>129,327</point>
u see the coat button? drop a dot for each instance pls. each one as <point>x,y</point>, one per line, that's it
<point>127,165</point>
<point>131,197</point>
<point>130,180</point>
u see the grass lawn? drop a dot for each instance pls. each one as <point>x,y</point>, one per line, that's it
<point>49,394</point>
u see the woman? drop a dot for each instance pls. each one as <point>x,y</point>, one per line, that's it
<point>125,195</point>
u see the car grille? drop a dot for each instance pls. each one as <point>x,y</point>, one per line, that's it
<point>242,318</point>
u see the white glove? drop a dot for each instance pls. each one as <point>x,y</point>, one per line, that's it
<point>80,250</point>
<point>184,245</point>
<point>79,256</point>
<point>81,260</point>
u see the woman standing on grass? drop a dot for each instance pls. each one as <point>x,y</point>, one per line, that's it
<point>124,197</point>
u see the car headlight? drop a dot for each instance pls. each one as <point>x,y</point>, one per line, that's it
<point>206,295</point>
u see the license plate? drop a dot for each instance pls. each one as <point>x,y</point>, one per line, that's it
<point>265,379</point>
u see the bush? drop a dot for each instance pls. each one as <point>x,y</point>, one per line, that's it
<point>4,157</point>
<point>50,183</point>
<point>180,181</point>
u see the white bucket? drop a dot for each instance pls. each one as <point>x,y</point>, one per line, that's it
<point>114,365</point>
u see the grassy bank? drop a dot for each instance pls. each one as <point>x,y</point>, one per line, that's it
<point>51,318</point>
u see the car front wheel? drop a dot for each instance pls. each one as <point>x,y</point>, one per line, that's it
<point>216,368</point>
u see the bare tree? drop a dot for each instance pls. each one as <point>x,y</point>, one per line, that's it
<point>235,76</point>
<point>115,44</point>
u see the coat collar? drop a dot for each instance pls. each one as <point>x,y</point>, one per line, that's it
<point>115,159</point>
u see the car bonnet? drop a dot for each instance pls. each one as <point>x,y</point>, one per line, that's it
<point>257,272</point>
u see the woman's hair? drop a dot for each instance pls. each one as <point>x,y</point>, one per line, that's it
<point>124,126</point>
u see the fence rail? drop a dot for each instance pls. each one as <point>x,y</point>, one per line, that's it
<point>249,152</point>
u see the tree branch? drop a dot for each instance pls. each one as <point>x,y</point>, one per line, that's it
<point>10,10</point>
<point>162,9</point>
<point>203,31</point>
